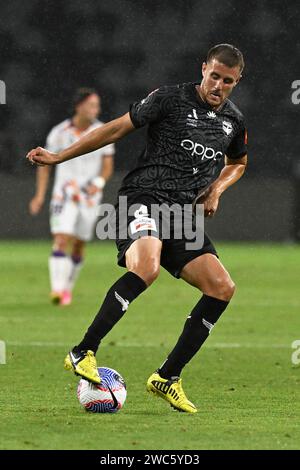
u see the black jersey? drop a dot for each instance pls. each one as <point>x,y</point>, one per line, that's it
<point>185,142</point>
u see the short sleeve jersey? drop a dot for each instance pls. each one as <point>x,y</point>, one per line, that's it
<point>186,140</point>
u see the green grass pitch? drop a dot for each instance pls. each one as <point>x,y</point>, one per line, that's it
<point>243,381</point>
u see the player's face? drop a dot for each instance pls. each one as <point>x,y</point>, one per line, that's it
<point>90,108</point>
<point>218,81</point>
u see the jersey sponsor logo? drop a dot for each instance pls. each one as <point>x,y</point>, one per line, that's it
<point>227,127</point>
<point>211,114</point>
<point>123,302</point>
<point>198,149</point>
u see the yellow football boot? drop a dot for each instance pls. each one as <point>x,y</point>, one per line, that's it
<point>83,363</point>
<point>171,391</point>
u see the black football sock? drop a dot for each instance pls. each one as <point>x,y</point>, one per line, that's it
<point>115,304</point>
<point>196,330</point>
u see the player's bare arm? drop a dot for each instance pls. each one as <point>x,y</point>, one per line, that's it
<point>42,180</point>
<point>108,133</point>
<point>231,173</point>
<point>106,172</point>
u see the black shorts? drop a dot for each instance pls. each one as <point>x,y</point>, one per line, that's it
<point>174,255</point>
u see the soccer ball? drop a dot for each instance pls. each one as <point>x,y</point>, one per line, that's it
<point>108,397</point>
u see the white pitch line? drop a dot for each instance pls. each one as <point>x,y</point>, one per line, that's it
<point>50,344</point>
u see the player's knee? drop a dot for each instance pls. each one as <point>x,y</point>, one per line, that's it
<point>225,288</point>
<point>153,273</point>
<point>221,288</point>
<point>60,243</point>
<point>148,269</point>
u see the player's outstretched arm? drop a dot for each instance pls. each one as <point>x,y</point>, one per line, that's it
<point>104,135</point>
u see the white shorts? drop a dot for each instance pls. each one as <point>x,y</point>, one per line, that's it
<point>73,218</point>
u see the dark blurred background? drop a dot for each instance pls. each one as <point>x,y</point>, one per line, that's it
<point>125,49</point>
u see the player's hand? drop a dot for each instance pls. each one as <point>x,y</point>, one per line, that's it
<point>92,189</point>
<point>40,156</point>
<point>211,204</point>
<point>35,205</point>
<point>210,199</point>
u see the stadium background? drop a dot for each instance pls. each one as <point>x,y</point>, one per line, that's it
<point>126,49</point>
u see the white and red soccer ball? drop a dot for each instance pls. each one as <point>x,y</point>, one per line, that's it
<point>108,397</point>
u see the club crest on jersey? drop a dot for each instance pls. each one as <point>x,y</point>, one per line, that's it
<point>192,118</point>
<point>227,127</point>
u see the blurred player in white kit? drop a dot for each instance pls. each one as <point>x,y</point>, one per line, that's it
<point>76,194</point>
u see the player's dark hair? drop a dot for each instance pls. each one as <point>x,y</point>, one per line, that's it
<point>227,54</point>
<point>82,94</point>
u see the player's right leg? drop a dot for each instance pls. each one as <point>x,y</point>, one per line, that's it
<point>205,272</point>
<point>59,266</point>
<point>142,262</point>
<point>83,232</point>
<point>63,217</point>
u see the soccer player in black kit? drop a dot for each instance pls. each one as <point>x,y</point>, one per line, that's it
<point>191,127</point>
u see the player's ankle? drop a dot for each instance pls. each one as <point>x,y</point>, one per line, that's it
<point>168,376</point>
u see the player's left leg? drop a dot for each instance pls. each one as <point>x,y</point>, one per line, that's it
<point>76,260</point>
<point>207,274</point>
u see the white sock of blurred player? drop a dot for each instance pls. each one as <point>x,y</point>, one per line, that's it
<point>60,267</point>
<point>76,265</point>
